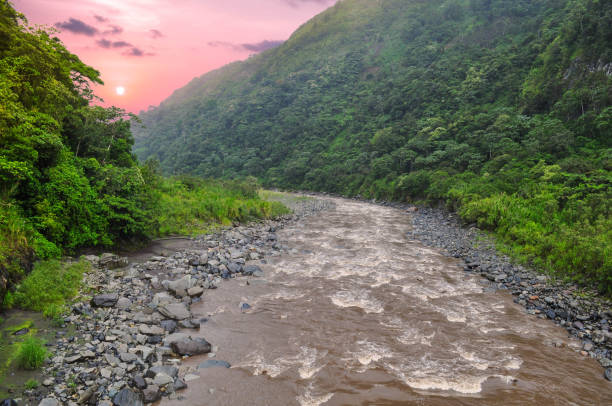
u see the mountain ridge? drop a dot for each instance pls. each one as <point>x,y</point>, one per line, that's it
<point>474,103</point>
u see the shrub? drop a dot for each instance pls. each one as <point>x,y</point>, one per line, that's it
<point>32,384</point>
<point>31,354</point>
<point>50,283</point>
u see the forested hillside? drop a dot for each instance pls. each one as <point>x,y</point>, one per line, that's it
<point>68,178</point>
<point>499,108</point>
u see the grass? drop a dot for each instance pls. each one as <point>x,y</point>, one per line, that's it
<point>32,384</point>
<point>190,206</point>
<point>31,353</point>
<point>49,285</point>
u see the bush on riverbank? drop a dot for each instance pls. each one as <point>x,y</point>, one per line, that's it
<point>31,354</point>
<point>49,286</point>
<point>191,205</point>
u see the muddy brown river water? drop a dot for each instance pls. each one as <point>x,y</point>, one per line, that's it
<point>357,314</point>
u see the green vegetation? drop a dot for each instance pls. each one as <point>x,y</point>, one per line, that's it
<point>31,354</point>
<point>32,384</point>
<point>49,285</point>
<point>192,206</point>
<point>500,109</point>
<point>68,178</point>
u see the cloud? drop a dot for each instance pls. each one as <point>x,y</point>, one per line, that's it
<point>254,47</point>
<point>113,30</point>
<point>137,52</point>
<point>104,43</point>
<point>100,19</point>
<point>155,34</point>
<point>77,27</point>
<point>261,46</point>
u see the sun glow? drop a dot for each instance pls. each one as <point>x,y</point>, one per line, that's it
<point>120,90</point>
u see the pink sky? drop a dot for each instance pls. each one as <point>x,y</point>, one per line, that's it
<point>152,47</point>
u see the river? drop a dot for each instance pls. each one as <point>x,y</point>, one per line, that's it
<point>355,313</point>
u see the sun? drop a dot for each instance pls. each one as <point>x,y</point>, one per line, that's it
<point>120,90</point>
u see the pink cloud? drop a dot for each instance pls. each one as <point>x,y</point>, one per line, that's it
<point>152,47</point>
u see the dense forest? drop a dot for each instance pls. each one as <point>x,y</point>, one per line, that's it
<point>68,178</point>
<point>500,109</point>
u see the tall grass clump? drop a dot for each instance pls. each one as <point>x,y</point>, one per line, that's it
<point>50,284</point>
<point>191,205</point>
<point>31,353</point>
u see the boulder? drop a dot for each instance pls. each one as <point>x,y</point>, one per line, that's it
<point>105,300</point>
<point>127,397</point>
<point>191,346</point>
<point>175,311</point>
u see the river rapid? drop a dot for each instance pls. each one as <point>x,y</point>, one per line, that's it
<point>356,313</point>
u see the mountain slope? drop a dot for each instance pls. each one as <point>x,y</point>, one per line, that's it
<point>500,108</point>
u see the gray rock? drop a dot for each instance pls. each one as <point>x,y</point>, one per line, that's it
<point>139,382</point>
<point>252,270</point>
<point>49,402</point>
<point>105,300</point>
<point>191,346</point>
<point>608,374</point>
<point>212,363</point>
<point>169,325</point>
<point>150,330</point>
<point>162,379</point>
<point>123,303</point>
<point>176,311</point>
<point>151,394</point>
<point>195,291</point>
<point>128,357</point>
<point>182,284</point>
<point>179,384</point>
<point>127,397</point>
<point>163,369</point>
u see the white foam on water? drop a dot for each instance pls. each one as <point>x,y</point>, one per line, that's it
<point>413,336</point>
<point>514,363</point>
<point>359,298</point>
<point>309,357</point>
<point>466,384</point>
<point>455,317</point>
<point>371,352</point>
<point>259,365</point>
<point>309,399</point>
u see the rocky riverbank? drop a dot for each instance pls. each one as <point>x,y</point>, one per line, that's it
<point>133,323</point>
<point>582,313</point>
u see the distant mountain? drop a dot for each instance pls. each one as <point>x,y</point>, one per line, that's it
<point>461,101</point>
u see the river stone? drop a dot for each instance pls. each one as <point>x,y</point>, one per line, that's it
<point>127,397</point>
<point>608,374</point>
<point>112,261</point>
<point>139,382</point>
<point>211,363</point>
<point>163,369</point>
<point>168,340</point>
<point>151,394</point>
<point>191,346</point>
<point>168,325</point>
<point>180,285</point>
<point>161,298</point>
<point>179,384</point>
<point>8,402</point>
<point>150,330</point>
<point>105,300</point>
<point>176,311</point>
<point>162,379</point>
<point>49,402</point>
<point>252,270</point>
<point>124,303</point>
<point>195,291</point>
<point>128,357</point>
